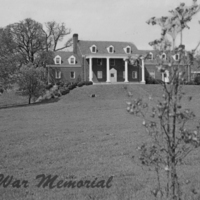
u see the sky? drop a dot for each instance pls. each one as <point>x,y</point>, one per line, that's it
<point>102,20</point>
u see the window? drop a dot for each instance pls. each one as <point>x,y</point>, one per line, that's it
<point>72,75</point>
<point>93,49</point>
<point>57,60</point>
<point>152,74</point>
<point>128,50</point>
<point>72,60</point>
<point>99,61</point>
<point>99,74</point>
<point>134,74</point>
<point>110,49</point>
<point>57,74</point>
<point>112,75</point>
<point>112,62</point>
<point>176,57</point>
<point>164,56</point>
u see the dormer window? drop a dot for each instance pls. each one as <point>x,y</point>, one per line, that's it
<point>57,60</point>
<point>93,49</point>
<point>163,56</point>
<point>110,49</point>
<point>72,60</point>
<point>127,49</point>
<point>150,56</point>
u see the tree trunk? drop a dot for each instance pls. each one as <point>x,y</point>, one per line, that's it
<point>174,180</point>
<point>29,99</point>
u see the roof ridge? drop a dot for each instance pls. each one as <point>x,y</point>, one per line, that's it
<point>107,41</point>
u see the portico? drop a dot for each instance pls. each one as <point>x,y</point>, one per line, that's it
<point>126,69</point>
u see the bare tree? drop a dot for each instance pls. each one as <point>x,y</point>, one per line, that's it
<point>55,33</point>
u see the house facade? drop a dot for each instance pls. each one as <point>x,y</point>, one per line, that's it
<point>105,62</point>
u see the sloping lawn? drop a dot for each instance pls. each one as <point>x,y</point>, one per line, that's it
<point>10,98</point>
<point>81,138</point>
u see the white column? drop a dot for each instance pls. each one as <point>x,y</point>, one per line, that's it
<point>126,71</point>
<point>143,71</point>
<point>90,70</point>
<point>108,70</point>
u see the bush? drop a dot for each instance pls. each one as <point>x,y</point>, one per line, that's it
<point>88,83</point>
<point>67,84</point>
<point>197,80</point>
<point>81,84</point>
<point>150,80</point>
<point>48,87</point>
<point>74,84</point>
<point>71,87</point>
<point>65,91</point>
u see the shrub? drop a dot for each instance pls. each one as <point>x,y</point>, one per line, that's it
<point>81,84</point>
<point>48,87</point>
<point>197,80</point>
<point>88,83</point>
<point>71,87</point>
<point>65,91</point>
<point>75,84</point>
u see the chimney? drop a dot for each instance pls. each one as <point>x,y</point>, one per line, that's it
<point>75,40</point>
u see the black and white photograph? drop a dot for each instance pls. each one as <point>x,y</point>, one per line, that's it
<point>99,100</point>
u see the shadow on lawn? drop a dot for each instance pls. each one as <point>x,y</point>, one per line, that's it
<point>32,104</point>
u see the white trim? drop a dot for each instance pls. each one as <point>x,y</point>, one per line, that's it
<point>126,71</point>
<point>55,60</point>
<point>108,70</point>
<point>125,49</point>
<point>176,59</point>
<point>92,48</point>
<point>108,49</point>
<point>108,56</point>
<point>136,75</point>
<point>195,72</point>
<point>69,60</point>
<point>57,74</point>
<point>90,69</point>
<point>151,56</point>
<point>165,56</point>
<point>143,70</point>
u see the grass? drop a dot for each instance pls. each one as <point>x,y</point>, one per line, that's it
<point>82,137</point>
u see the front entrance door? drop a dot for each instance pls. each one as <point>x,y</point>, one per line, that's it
<point>113,75</point>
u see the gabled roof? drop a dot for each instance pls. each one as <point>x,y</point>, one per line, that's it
<point>155,55</point>
<point>65,55</point>
<point>103,45</point>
